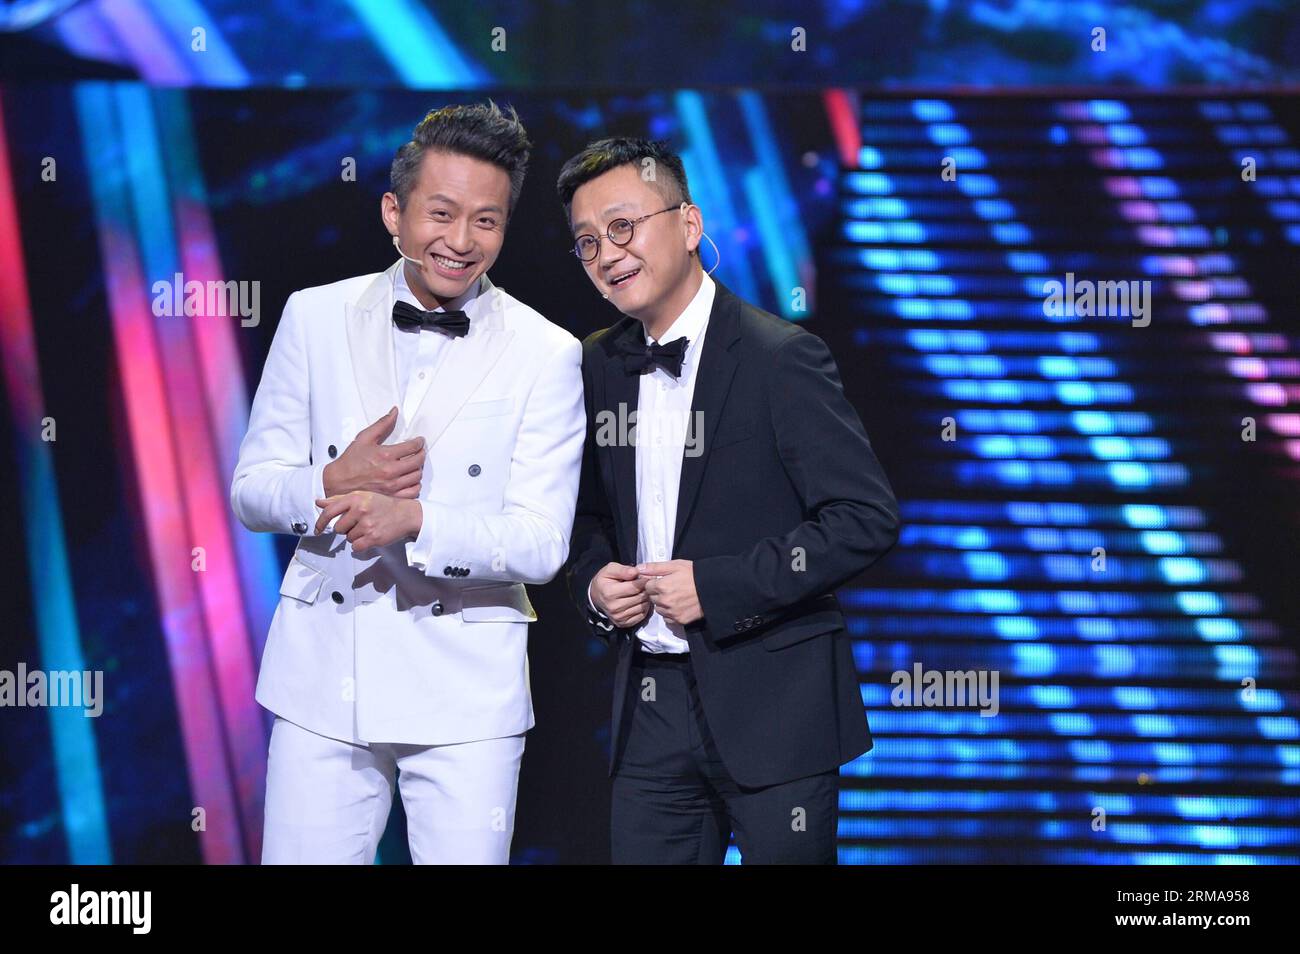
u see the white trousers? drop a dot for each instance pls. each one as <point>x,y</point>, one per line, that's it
<point>327,801</point>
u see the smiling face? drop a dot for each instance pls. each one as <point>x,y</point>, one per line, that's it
<point>653,277</point>
<point>454,222</point>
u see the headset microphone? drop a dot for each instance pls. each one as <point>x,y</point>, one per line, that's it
<point>397,245</point>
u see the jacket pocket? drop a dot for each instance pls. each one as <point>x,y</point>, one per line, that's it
<point>732,435</point>
<point>486,409</point>
<point>499,603</point>
<point>302,582</point>
<point>805,627</point>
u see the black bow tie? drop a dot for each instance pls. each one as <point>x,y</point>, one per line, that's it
<point>454,323</point>
<point>639,359</point>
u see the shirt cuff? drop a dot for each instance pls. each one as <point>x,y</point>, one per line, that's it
<point>419,553</point>
<point>591,603</point>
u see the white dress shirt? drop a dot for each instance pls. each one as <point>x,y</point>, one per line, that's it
<point>417,352</point>
<point>662,429</point>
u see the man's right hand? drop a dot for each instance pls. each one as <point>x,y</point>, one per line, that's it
<point>370,464</point>
<point>618,591</point>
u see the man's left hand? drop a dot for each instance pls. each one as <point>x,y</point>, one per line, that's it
<point>370,519</point>
<point>671,588</point>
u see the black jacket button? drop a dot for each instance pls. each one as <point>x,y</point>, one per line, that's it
<point>436,608</point>
<point>475,470</point>
<point>334,451</point>
<point>336,596</point>
<point>446,571</point>
<point>300,527</point>
<point>738,626</point>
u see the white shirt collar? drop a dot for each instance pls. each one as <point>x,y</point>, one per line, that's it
<point>690,322</point>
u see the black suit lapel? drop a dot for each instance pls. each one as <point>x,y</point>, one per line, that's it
<point>623,389</point>
<point>712,382</point>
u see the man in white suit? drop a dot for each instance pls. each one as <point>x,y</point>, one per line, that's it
<point>421,431</point>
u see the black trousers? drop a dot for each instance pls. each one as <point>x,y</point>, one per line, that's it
<point>673,802</point>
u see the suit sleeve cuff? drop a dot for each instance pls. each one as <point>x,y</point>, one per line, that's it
<point>318,486</point>
<point>306,513</point>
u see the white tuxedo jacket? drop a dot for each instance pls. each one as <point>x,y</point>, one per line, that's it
<point>423,641</point>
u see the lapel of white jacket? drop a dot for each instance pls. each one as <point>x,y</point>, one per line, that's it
<point>370,342</point>
<point>465,366</point>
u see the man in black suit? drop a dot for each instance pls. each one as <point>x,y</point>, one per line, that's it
<point>727,489</point>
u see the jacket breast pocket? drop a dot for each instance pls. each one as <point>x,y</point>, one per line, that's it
<point>475,409</point>
<point>804,628</point>
<point>725,437</point>
<point>302,582</point>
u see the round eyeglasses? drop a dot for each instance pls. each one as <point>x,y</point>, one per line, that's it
<point>619,232</point>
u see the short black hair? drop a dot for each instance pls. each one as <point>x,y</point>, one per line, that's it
<point>606,154</point>
<point>479,131</point>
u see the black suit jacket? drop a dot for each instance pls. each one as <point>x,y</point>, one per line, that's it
<point>786,503</point>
